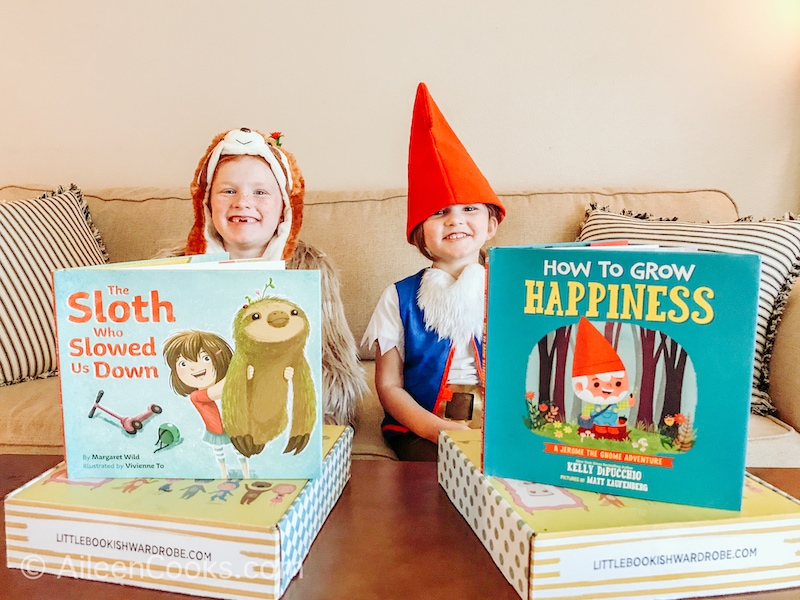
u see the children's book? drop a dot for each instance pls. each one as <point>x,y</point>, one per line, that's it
<point>553,542</point>
<point>212,537</point>
<point>621,372</point>
<point>198,370</point>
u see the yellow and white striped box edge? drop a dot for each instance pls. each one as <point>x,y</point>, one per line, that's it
<point>581,564</point>
<point>246,561</point>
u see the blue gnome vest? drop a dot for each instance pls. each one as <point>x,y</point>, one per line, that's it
<point>427,357</point>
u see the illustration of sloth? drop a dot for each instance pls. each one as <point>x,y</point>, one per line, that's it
<point>270,337</point>
<point>252,493</point>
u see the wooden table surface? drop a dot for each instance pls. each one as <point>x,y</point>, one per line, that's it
<point>393,534</point>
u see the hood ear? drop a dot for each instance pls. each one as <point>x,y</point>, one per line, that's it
<point>297,201</point>
<point>197,241</point>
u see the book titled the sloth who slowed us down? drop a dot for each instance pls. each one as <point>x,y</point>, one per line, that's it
<point>190,369</point>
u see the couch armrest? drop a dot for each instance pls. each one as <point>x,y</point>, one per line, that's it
<point>784,385</point>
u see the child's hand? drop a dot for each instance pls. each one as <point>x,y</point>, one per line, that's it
<point>451,425</point>
<point>288,373</point>
<point>440,424</point>
<point>399,403</point>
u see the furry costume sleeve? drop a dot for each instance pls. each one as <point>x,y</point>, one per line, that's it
<point>343,382</point>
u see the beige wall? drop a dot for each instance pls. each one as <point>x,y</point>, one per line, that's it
<point>545,94</point>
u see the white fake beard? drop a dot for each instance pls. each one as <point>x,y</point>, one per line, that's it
<point>588,396</point>
<point>453,308</point>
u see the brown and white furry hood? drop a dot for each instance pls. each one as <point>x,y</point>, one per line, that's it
<point>203,237</point>
<point>343,380</point>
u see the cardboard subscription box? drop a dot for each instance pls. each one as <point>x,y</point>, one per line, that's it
<point>222,538</point>
<point>553,542</point>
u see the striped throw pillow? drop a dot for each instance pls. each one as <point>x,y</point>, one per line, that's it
<point>777,242</point>
<point>38,236</point>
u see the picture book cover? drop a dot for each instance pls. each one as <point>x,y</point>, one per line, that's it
<point>553,542</point>
<point>199,370</point>
<point>621,370</point>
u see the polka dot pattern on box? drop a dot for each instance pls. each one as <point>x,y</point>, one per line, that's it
<point>494,521</point>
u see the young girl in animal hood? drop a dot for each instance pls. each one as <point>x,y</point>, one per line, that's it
<point>428,327</point>
<point>248,195</point>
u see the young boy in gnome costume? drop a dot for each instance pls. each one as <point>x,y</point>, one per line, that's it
<point>248,201</point>
<point>600,380</point>
<point>428,327</point>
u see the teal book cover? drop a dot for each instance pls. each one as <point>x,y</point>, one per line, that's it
<point>621,370</point>
<point>197,370</point>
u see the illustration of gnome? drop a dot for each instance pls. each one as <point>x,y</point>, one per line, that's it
<point>600,380</point>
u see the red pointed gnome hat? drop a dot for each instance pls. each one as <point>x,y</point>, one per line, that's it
<point>203,237</point>
<point>440,170</point>
<point>593,353</point>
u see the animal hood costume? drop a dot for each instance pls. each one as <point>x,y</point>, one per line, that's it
<point>343,378</point>
<point>204,238</point>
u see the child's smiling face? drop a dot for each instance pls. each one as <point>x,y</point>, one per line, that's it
<point>198,374</point>
<point>246,205</point>
<point>456,234</point>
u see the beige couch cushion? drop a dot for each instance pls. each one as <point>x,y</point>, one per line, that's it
<point>364,232</point>
<point>31,418</point>
<point>135,222</point>
<point>364,235</point>
<point>374,252</point>
<point>786,361</point>
<point>368,438</point>
<point>138,222</point>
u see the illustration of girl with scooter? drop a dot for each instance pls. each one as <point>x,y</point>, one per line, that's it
<point>198,362</point>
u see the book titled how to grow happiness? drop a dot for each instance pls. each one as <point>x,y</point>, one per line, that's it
<point>621,370</point>
<point>205,369</point>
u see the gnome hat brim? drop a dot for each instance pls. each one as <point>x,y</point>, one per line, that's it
<point>203,237</point>
<point>441,172</point>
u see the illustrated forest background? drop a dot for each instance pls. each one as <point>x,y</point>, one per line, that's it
<point>662,380</point>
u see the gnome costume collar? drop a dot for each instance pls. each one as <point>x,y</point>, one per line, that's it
<point>452,307</point>
<point>204,238</point>
<point>441,172</point>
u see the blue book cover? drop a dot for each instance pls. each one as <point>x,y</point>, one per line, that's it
<point>208,369</point>
<point>623,371</point>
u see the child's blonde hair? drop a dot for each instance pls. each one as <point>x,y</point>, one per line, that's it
<point>189,344</point>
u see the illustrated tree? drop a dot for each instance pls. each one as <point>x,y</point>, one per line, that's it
<point>612,331</point>
<point>553,350</point>
<point>652,349</point>
<point>674,369</point>
<point>561,377</point>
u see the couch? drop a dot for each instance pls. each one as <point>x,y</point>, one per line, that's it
<point>363,233</point>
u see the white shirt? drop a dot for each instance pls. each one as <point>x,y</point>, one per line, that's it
<point>444,297</point>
